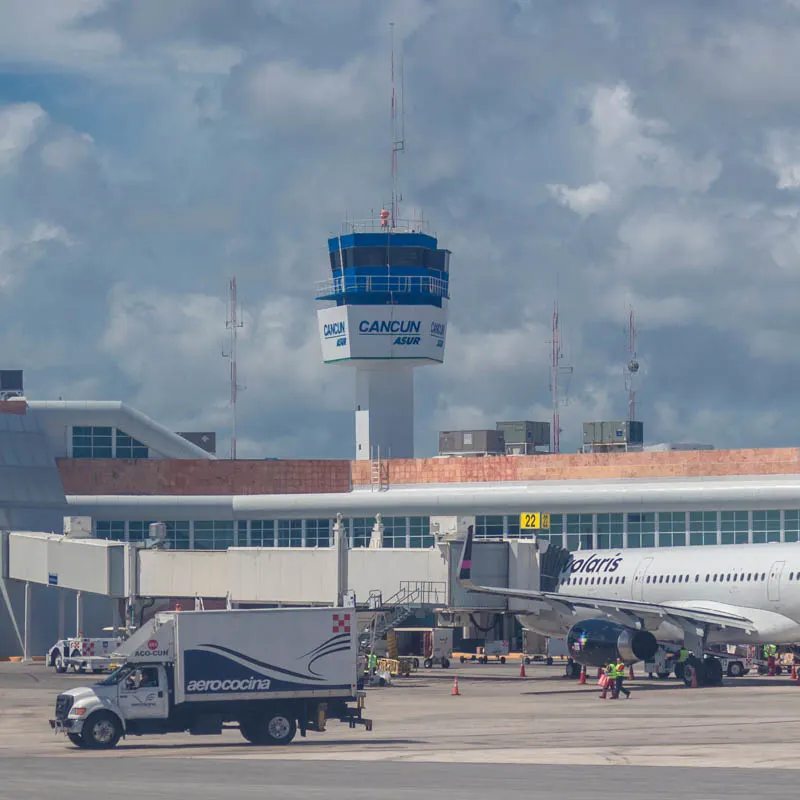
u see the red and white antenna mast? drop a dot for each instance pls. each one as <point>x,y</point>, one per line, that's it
<point>632,367</point>
<point>556,369</point>
<point>398,133</point>
<point>233,323</point>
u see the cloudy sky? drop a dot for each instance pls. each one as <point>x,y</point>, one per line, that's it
<point>611,153</point>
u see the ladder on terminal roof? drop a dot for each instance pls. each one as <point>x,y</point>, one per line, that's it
<point>378,473</point>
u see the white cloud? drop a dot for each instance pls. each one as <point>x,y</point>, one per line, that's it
<point>671,241</point>
<point>633,151</point>
<point>584,200</point>
<point>782,156</point>
<point>20,252</point>
<point>20,124</point>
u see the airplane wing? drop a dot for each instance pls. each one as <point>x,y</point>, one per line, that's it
<point>695,614</point>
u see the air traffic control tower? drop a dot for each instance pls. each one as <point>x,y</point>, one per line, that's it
<point>384,312</point>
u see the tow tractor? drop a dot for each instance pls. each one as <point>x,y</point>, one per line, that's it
<point>665,663</point>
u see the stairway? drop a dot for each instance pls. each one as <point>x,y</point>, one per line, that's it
<point>401,606</point>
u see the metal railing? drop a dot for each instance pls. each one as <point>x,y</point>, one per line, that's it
<point>408,284</point>
<point>375,225</point>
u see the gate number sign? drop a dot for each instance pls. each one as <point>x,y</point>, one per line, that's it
<point>534,521</point>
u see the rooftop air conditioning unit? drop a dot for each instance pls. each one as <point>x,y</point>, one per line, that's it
<point>78,527</point>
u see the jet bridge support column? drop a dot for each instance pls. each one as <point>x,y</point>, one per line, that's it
<point>62,614</point>
<point>79,614</point>
<point>26,635</point>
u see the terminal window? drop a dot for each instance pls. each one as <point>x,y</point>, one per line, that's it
<point>178,534</point>
<point>128,447</point>
<point>318,533</point>
<point>580,531</point>
<point>671,528</point>
<point>262,533</point>
<point>92,441</point>
<point>213,534</point>
<point>114,530</point>
<point>735,527</point>
<point>419,532</point>
<point>610,530</point>
<point>703,527</point>
<point>361,531</point>
<point>766,526</point>
<point>490,527</point>
<point>642,530</point>
<point>791,525</point>
<point>394,531</point>
<point>290,533</point>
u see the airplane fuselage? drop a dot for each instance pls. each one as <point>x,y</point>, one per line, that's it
<point>757,581</point>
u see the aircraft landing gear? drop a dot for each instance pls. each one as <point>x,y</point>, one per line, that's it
<point>708,671</point>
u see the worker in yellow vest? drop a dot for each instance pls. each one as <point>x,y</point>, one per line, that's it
<point>611,675</point>
<point>620,677</point>
<point>770,653</point>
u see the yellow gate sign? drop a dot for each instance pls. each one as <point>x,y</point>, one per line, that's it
<point>535,521</point>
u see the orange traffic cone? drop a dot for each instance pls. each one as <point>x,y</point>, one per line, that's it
<point>694,677</point>
<point>794,672</point>
<point>522,669</point>
<point>582,679</point>
<point>455,686</point>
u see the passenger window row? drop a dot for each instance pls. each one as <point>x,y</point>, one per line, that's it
<point>595,580</point>
<point>715,577</point>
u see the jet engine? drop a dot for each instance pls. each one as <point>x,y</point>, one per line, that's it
<point>596,642</point>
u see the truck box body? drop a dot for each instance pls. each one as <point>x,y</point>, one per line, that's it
<point>252,654</point>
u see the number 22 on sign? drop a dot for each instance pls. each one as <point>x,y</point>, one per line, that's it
<point>534,521</point>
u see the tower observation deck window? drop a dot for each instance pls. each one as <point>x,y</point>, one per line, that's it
<point>390,256</point>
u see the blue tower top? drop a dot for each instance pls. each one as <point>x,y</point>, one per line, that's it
<point>374,264</point>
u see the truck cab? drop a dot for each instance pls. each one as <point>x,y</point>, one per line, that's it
<point>128,700</point>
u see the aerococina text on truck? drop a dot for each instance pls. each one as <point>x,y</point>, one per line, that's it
<point>271,671</point>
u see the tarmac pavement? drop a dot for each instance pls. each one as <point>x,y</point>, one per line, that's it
<point>503,736</point>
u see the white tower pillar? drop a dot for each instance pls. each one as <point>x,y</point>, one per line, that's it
<point>384,411</point>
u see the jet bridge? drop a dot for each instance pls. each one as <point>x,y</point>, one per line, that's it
<point>42,572</point>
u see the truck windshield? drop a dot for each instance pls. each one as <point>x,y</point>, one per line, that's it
<point>119,674</point>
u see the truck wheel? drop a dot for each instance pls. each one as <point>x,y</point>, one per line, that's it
<point>277,727</point>
<point>712,671</point>
<point>101,731</point>
<point>502,659</point>
<point>735,669</point>
<point>428,663</point>
<point>77,740</point>
<point>445,663</point>
<point>58,663</point>
<point>463,659</point>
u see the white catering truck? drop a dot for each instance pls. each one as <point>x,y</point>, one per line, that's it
<point>270,671</point>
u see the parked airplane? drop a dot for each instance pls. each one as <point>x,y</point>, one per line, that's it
<point>611,603</point>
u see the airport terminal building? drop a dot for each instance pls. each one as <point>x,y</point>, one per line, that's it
<point>111,463</point>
